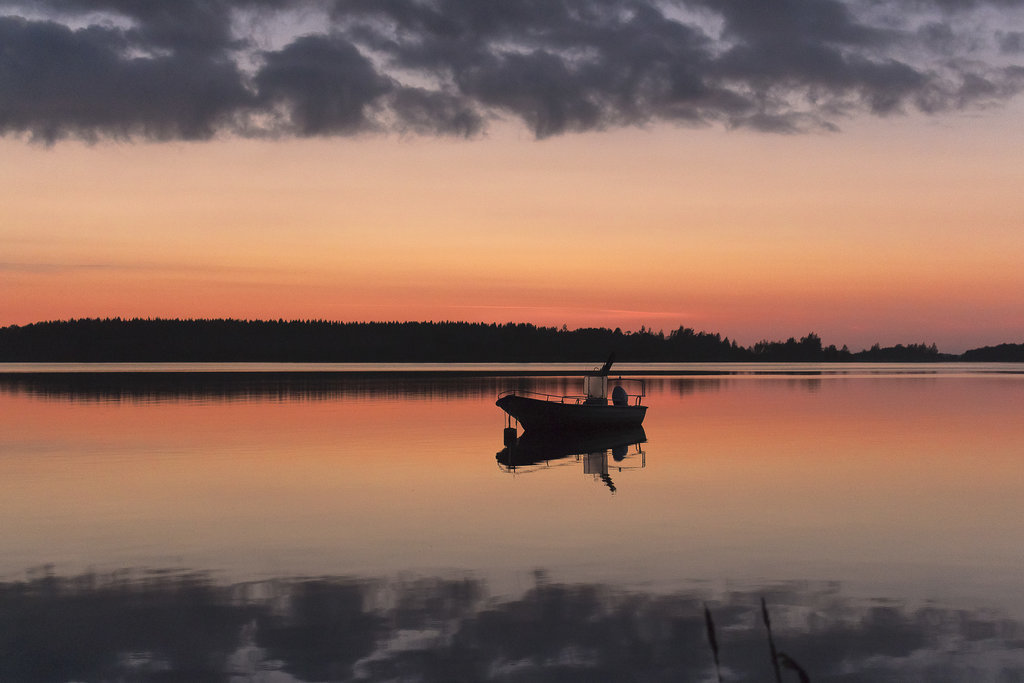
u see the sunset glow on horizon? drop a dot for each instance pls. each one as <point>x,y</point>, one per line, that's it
<point>904,225</point>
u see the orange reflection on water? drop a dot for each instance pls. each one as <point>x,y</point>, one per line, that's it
<point>849,478</point>
<point>914,470</point>
<point>241,477</point>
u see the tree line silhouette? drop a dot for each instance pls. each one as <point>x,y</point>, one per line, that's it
<point>225,340</point>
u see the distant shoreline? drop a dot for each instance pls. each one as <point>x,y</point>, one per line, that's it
<point>796,368</point>
<point>242,370</point>
<point>116,340</point>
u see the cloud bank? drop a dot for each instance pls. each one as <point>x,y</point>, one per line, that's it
<point>197,69</point>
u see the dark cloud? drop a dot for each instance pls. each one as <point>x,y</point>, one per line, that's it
<point>184,25</point>
<point>428,112</point>
<point>56,83</point>
<point>938,37</point>
<point>188,69</point>
<point>796,21</point>
<point>967,5</point>
<point>1012,42</point>
<point>325,83</point>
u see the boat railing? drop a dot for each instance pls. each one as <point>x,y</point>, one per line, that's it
<point>635,388</point>
<point>553,398</point>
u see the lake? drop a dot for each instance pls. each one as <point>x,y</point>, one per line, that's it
<point>308,523</point>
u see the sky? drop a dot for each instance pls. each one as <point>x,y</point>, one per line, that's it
<point>757,168</point>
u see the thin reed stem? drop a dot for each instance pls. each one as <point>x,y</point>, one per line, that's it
<point>771,641</point>
<point>713,641</point>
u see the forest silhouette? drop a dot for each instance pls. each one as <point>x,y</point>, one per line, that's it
<point>230,340</point>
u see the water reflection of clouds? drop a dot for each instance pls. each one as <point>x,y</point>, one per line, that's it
<point>148,626</point>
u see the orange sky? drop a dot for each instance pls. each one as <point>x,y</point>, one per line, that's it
<point>895,230</point>
<point>848,168</point>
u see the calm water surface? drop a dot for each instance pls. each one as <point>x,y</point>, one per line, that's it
<point>266,524</point>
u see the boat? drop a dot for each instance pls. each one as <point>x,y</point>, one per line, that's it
<point>592,410</point>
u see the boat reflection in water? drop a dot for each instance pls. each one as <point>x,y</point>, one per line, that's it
<point>584,427</point>
<point>602,453</point>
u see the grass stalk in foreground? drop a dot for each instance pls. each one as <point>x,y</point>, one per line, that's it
<point>713,641</point>
<point>780,660</point>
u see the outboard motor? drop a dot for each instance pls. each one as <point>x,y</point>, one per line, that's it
<point>619,396</point>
